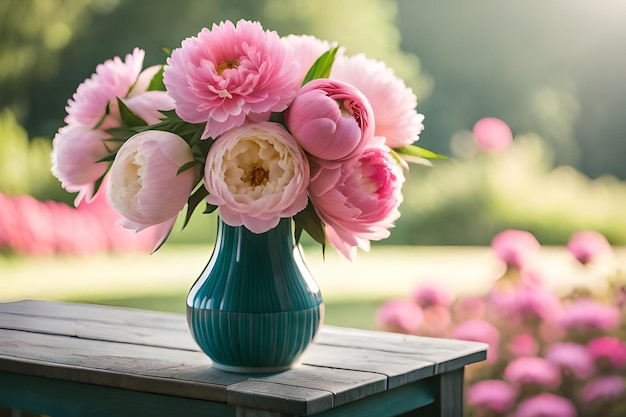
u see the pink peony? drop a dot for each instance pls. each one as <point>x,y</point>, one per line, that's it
<point>491,395</point>
<point>94,105</point>
<point>609,348</point>
<point>492,134</point>
<point>358,202</point>
<point>306,50</point>
<point>515,247</point>
<point>431,294</point>
<point>229,72</point>
<point>571,358</point>
<point>400,316</point>
<point>480,331</point>
<point>588,245</point>
<point>524,344</point>
<point>393,103</point>
<point>118,238</point>
<point>256,174</point>
<point>532,370</point>
<point>603,388</point>
<point>587,314</point>
<point>545,405</point>
<point>144,184</point>
<point>75,152</point>
<point>331,120</point>
<point>114,78</point>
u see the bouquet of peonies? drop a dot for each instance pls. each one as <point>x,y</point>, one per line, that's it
<point>259,127</point>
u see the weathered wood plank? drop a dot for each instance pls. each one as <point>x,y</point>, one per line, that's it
<point>139,368</point>
<point>132,332</point>
<point>163,371</point>
<point>398,368</point>
<point>448,354</point>
<point>344,385</point>
<point>94,312</point>
<point>270,396</point>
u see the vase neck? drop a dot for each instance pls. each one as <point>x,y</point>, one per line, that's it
<point>279,238</point>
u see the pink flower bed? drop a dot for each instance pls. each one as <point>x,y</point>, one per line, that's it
<point>549,355</point>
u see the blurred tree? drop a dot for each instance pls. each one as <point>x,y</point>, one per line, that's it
<point>32,34</point>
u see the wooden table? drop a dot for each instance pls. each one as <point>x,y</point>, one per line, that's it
<point>67,359</point>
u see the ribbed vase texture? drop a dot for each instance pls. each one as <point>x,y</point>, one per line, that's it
<point>256,306</point>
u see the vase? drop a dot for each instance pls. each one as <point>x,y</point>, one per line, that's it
<point>255,307</point>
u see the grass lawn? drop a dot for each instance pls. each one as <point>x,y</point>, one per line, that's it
<point>353,291</point>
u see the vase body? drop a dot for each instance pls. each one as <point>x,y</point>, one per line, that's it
<point>256,306</point>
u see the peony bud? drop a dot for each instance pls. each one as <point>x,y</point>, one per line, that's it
<point>144,184</point>
<point>331,120</point>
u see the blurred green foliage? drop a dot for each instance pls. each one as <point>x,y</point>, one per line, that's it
<point>470,198</point>
<point>547,67</point>
<point>556,68</point>
<point>24,163</point>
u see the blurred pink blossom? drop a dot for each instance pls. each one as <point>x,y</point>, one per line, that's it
<point>430,294</point>
<point>470,307</point>
<point>33,227</point>
<point>609,348</point>
<point>515,247</point>
<point>586,314</point>
<point>491,394</point>
<point>545,405</point>
<point>524,344</point>
<point>400,315</point>
<point>437,318</point>
<point>603,388</point>
<point>532,370</point>
<point>571,357</point>
<point>492,134</point>
<point>480,331</point>
<point>588,246</point>
<point>526,303</point>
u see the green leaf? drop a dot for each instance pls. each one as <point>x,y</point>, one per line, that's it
<point>99,181</point>
<point>309,221</point>
<point>322,66</point>
<point>193,201</point>
<point>210,208</point>
<point>156,84</point>
<point>120,132</point>
<point>420,152</point>
<point>108,158</point>
<point>129,117</point>
<point>107,110</point>
<point>170,115</point>
<point>186,166</point>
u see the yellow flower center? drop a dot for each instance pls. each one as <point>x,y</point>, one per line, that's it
<point>256,176</point>
<point>228,64</point>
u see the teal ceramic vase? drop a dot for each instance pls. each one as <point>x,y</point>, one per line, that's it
<point>256,306</point>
